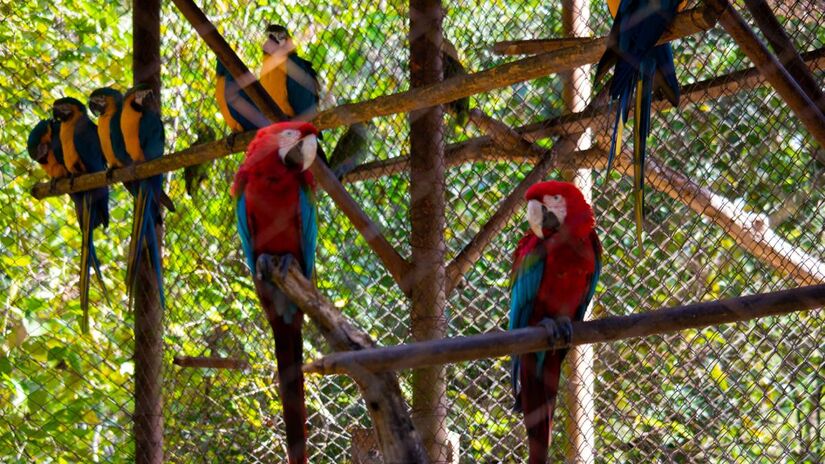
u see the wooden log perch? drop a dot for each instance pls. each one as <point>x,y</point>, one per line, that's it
<point>205,362</point>
<point>482,148</point>
<point>686,23</point>
<point>776,74</point>
<point>400,442</point>
<point>689,22</point>
<point>785,51</point>
<point>528,340</point>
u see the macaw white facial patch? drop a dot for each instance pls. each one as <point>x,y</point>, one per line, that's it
<point>557,205</point>
<point>286,140</point>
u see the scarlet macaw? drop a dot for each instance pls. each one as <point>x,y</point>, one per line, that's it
<point>82,154</point>
<point>107,104</point>
<point>276,213</point>
<point>640,68</point>
<point>144,139</point>
<point>555,271</point>
<point>44,147</point>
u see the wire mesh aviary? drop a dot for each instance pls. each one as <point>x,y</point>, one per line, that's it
<point>733,206</point>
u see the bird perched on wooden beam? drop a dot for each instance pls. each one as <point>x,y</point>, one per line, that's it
<point>555,271</point>
<point>640,69</point>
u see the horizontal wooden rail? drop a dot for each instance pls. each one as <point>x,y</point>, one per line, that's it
<point>504,343</point>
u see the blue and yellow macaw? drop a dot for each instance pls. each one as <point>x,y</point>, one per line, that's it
<point>44,147</point>
<point>237,108</point>
<point>289,79</point>
<point>641,68</point>
<point>144,140</point>
<point>107,104</point>
<point>81,155</point>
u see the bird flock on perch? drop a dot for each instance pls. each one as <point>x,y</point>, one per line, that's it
<point>556,265</point>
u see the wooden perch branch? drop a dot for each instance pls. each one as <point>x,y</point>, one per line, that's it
<point>400,443</point>
<point>482,149</point>
<point>772,69</point>
<point>498,344</point>
<point>397,266</point>
<point>785,51</point>
<point>205,362</point>
<point>686,23</point>
<point>526,69</point>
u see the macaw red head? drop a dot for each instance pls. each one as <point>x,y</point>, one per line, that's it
<point>278,149</point>
<point>554,205</point>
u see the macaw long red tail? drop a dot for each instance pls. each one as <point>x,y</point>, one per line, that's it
<point>538,400</point>
<point>289,353</point>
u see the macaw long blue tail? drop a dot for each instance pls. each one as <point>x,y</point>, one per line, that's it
<point>641,130</point>
<point>86,209</point>
<point>146,213</point>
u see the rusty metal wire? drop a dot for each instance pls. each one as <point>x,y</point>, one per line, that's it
<point>753,193</point>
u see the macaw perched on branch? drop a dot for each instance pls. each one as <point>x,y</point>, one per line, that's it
<point>44,147</point>
<point>275,208</point>
<point>144,139</point>
<point>555,271</point>
<point>237,108</point>
<point>640,68</point>
<point>82,155</point>
<point>107,104</point>
<point>289,79</point>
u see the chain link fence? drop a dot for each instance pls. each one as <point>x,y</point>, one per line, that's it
<point>746,217</point>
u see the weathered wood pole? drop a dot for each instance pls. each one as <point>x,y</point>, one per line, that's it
<point>429,391</point>
<point>580,446</point>
<point>148,415</point>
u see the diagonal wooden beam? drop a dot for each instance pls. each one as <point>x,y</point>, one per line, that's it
<point>500,76</point>
<point>785,51</point>
<point>397,266</point>
<point>528,340</point>
<point>772,69</point>
<point>687,23</point>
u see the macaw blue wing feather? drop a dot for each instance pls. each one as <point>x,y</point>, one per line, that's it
<point>309,230</point>
<point>243,231</point>
<point>302,86</point>
<point>524,287</point>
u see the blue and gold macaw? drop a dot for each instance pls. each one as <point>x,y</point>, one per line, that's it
<point>238,110</point>
<point>82,154</point>
<point>289,79</point>
<point>44,147</point>
<point>107,104</point>
<point>640,68</point>
<point>144,140</point>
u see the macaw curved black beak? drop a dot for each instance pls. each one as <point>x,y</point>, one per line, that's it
<point>62,113</point>
<point>302,154</point>
<point>42,153</point>
<point>549,220</point>
<point>97,105</point>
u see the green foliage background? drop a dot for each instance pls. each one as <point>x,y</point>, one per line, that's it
<point>744,393</point>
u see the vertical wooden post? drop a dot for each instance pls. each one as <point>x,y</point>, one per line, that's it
<point>581,445</point>
<point>427,321</point>
<point>148,415</point>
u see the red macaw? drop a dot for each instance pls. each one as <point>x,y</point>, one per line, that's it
<point>275,209</point>
<point>555,271</point>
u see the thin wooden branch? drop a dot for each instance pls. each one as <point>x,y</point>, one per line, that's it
<point>400,442</point>
<point>397,266</point>
<point>686,23</point>
<point>609,329</point>
<point>749,230</point>
<point>772,69</point>
<point>785,51</point>
<point>689,22</point>
<point>205,362</point>
<point>481,148</point>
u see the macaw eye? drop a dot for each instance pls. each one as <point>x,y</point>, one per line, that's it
<point>289,137</point>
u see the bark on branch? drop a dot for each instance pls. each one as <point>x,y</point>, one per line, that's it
<point>498,344</point>
<point>399,441</point>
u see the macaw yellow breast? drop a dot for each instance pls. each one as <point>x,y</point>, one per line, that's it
<point>105,134</point>
<point>53,168</point>
<point>273,78</point>
<point>220,95</point>
<point>130,127</point>
<point>70,156</point>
